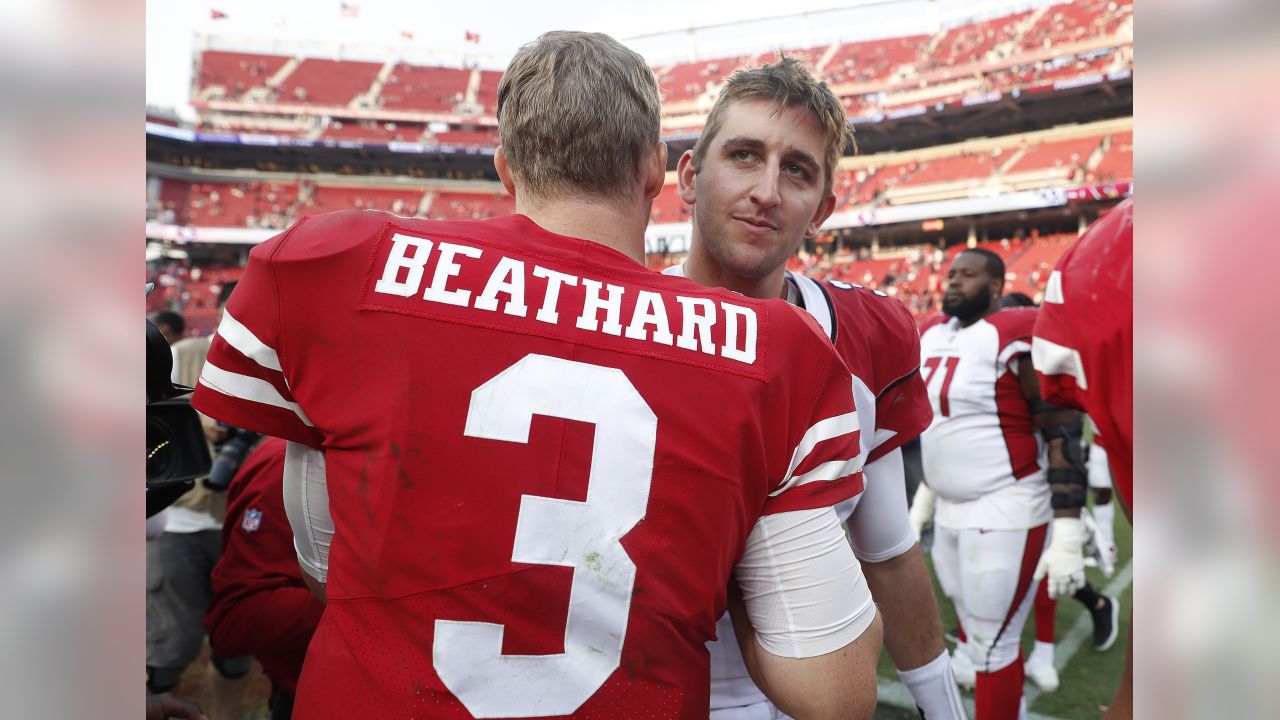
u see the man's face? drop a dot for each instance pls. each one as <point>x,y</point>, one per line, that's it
<point>969,287</point>
<point>758,193</point>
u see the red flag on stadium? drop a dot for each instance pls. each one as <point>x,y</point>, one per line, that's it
<point>473,37</point>
<point>406,34</point>
<point>217,15</point>
<point>350,10</point>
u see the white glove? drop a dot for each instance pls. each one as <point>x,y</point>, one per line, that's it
<point>921,514</point>
<point>1063,560</point>
<point>1099,551</point>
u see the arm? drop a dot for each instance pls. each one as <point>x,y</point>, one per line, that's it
<point>812,688</point>
<point>1063,433</point>
<point>306,502</point>
<point>809,632</point>
<point>885,543</point>
<point>1063,560</point>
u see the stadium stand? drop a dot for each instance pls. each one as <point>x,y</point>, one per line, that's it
<point>231,74</point>
<point>452,205</point>
<point>328,198</point>
<point>372,131</point>
<point>950,169</point>
<point>429,89</point>
<point>874,60</point>
<point>1066,154</point>
<point>467,138</point>
<point>1075,21</point>
<point>970,43</point>
<point>327,82</point>
<point>668,207</point>
<point>688,81</point>
<point>487,91</point>
<point>1117,161</point>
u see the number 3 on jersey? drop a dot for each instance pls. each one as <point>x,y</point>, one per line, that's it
<point>582,535</point>
<point>949,364</point>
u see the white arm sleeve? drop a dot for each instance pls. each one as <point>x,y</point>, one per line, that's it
<point>306,502</point>
<point>880,528</point>
<point>802,586</point>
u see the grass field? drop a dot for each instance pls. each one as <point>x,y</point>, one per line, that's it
<point>1087,678</point>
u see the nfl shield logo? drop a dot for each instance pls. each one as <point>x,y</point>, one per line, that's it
<point>252,520</point>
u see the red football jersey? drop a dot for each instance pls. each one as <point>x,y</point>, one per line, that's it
<point>1083,346</point>
<point>878,340</point>
<point>260,605</point>
<point>543,460</point>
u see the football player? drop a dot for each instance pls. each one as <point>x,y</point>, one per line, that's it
<point>1083,353</point>
<point>759,183</point>
<point>496,477</point>
<point>996,491</point>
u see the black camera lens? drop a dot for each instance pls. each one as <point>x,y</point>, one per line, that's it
<point>162,456</point>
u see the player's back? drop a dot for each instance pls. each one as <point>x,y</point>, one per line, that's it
<point>982,450</point>
<point>542,462</point>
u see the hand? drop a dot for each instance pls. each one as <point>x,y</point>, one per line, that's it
<point>1063,561</point>
<point>165,706</point>
<point>921,513</point>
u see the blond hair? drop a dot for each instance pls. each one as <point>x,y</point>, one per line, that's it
<point>788,85</point>
<point>578,113</point>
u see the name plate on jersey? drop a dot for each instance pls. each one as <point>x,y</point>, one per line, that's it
<point>475,282</point>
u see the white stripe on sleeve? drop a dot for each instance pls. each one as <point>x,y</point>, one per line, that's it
<point>1051,358</point>
<point>249,388</point>
<point>822,431</point>
<point>1053,289</point>
<point>242,338</point>
<point>1017,347</point>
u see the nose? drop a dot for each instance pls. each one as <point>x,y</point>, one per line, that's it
<point>765,191</point>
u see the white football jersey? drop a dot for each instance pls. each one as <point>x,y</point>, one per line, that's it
<point>982,454</point>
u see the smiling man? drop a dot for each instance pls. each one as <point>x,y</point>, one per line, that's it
<point>759,180</point>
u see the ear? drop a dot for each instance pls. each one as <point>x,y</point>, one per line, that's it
<point>820,216</point>
<point>656,176</point>
<point>504,171</point>
<point>686,174</point>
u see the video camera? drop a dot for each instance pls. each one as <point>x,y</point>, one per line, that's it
<point>177,453</point>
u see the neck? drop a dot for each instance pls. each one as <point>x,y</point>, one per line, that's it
<point>606,222</point>
<point>701,268</point>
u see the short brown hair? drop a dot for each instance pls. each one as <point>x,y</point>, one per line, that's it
<point>789,85</point>
<point>578,113</point>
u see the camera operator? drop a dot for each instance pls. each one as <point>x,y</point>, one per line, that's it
<point>261,606</point>
<point>181,558</point>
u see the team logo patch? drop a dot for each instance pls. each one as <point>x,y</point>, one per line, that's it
<point>252,520</point>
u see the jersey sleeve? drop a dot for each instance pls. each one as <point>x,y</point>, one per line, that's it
<point>1053,350</point>
<point>1015,326</point>
<point>902,401</point>
<point>243,382</point>
<point>825,464</point>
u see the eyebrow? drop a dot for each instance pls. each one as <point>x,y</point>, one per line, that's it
<point>793,154</point>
